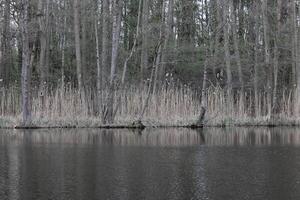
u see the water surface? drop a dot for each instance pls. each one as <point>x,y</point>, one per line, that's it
<point>234,163</point>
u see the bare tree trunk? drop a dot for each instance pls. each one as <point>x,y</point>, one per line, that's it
<point>6,59</point>
<point>63,49</point>
<point>150,87</point>
<point>83,38</point>
<point>33,49</point>
<point>134,44</point>
<point>77,45</point>
<point>236,49</point>
<point>227,52</point>
<point>276,56</point>
<point>200,120</point>
<point>156,74</point>
<point>43,20</point>
<point>153,76</point>
<point>168,35</point>
<point>133,49</point>
<point>48,36</point>
<point>25,63</point>
<point>217,39</point>
<point>256,29</point>
<point>43,25</point>
<point>63,44</point>
<point>295,58</point>
<point>42,52</point>
<point>144,55</point>
<point>117,6</point>
<point>267,57</point>
<point>105,37</point>
<point>115,38</point>
<point>208,53</point>
<point>99,68</point>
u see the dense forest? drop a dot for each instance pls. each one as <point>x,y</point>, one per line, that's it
<point>170,62</point>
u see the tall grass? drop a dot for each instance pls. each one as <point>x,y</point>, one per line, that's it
<point>168,106</point>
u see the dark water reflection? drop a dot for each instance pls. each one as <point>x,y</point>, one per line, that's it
<point>235,163</point>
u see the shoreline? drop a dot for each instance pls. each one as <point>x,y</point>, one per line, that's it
<point>94,123</point>
<point>129,127</point>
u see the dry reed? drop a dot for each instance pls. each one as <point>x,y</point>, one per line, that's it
<point>169,106</point>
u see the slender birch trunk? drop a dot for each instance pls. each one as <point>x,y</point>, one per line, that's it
<point>125,66</point>
<point>276,57</point>
<point>25,63</point>
<point>227,52</point>
<point>256,53</point>
<point>295,57</point>
<point>63,49</point>
<point>200,120</point>
<point>168,35</point>
<point>83,40</point>
<point>144,54</point>
<point>115,39</point>
<point>77,46</point>
<point>157,67</point>
<point>236,49</point>
<point>98,61</point>
<point>151,85</point>
<point>216,40</point>
<point>267,58</point>
<point>105,42</point>
<point>6,50</point>
<point>108,115</point>
<point>43,25</point>
<point>133,49</point>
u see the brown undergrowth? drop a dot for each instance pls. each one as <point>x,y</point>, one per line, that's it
<point>169,106</point>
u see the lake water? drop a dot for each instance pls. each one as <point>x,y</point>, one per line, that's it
<point>233,163</point>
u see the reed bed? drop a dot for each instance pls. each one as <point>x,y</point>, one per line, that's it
<point>168,106</point>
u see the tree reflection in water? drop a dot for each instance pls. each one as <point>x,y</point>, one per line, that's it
<point>156,137</point>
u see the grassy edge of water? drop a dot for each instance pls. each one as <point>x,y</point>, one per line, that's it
<point>93,122</point>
